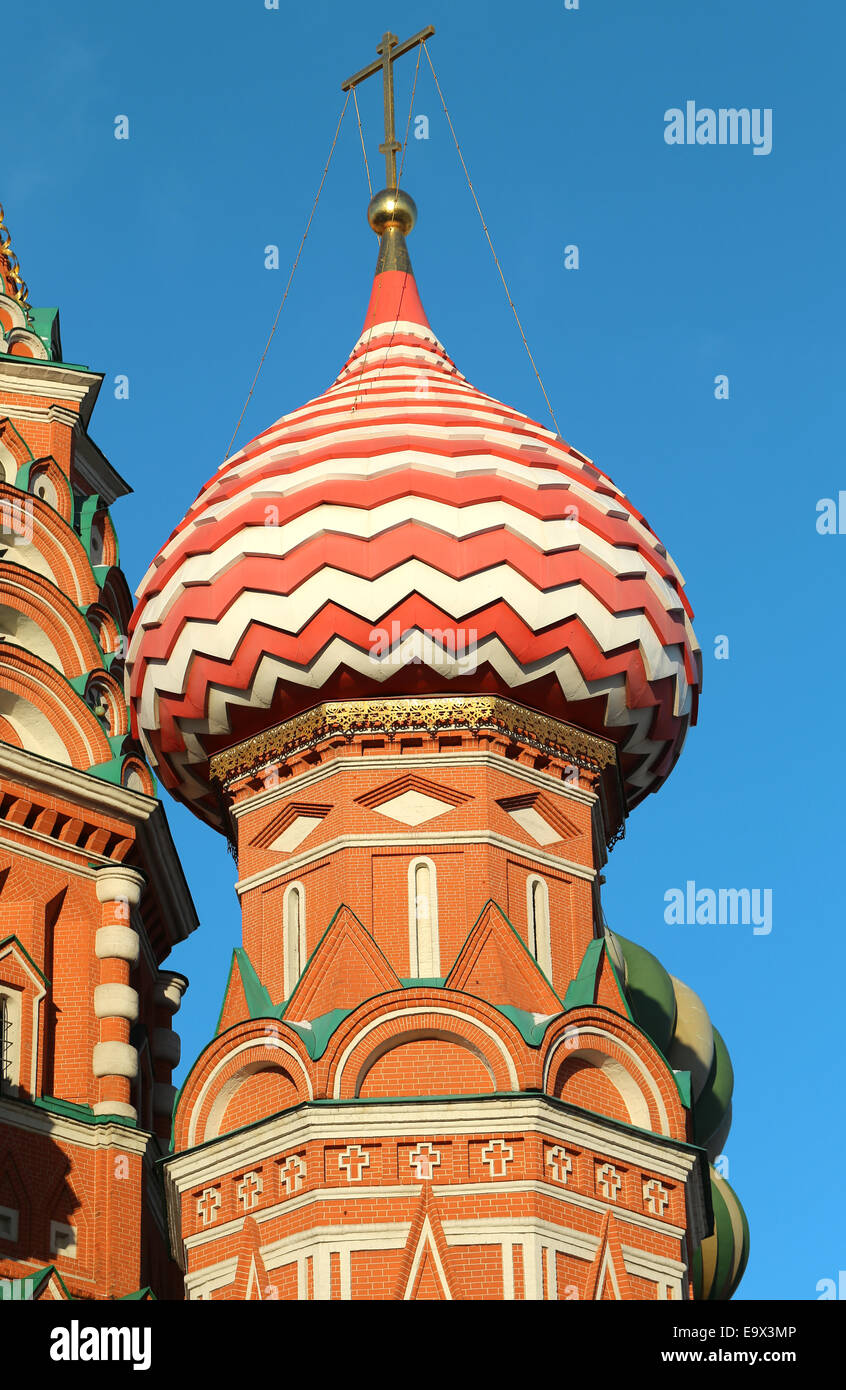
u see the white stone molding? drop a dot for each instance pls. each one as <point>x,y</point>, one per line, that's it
<point>353,1161</point>
<point>166,1046</point>
<point>538,920</point>
<point>118,883</point>
<point>379,762</point>
<point>70,1131</point>
<point>115,1059</point>
<point>117,942</point>
<point>116,1001</point>
<point>532,854</point>
<point>496,1155</point>
<point>249,1190</point>
<point>169,989</point>
<point>115,1107</point>
<point>293,935</point>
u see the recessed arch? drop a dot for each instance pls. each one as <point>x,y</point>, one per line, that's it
<point>219,1122</point>
<point>424,953</point>
<point>622,1083</point>
<point>105,697</point>
<point>255,1053</point>
<point>48,483</point>
<point>537,917</point>
<point>478,1076</point>
<point>47,715</point>
<point>293,936</point>
<point>363,1049</point>
<point>40,540</point>
<point>629,1074</point>
<point>36,615</point>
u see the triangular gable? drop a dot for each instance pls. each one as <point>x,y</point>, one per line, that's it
<point>11,944</point>
<point>15,443</point>
<point>290,826</point>
<point>608,1279</point>
<point>246,996</point>
<point>44,1285</point>
<point>597,982</point>
<point>495,965</point>
<point>424,1270</point>
<point>609,988</point>
<point>413,782</point>
<point>55,1289</point>
<point>345,967</point>
<point>251,1283</point>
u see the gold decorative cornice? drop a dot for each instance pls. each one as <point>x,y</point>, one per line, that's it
<point>427,714</point>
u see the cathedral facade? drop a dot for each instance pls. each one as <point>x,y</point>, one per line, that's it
<point>416,659</point>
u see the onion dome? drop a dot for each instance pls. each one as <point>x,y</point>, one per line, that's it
<point>677,1022</point>
<point>406,534</point>
<point>719,1263</point>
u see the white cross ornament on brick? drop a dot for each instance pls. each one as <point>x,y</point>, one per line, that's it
<point>208,1204</point>
<point>497,1155</point>
<point>292,1174</point>
<point>424,1160</point>
<point>560,1162</point>
<point>353,1161</point>
<point>609,1181</point>
<point>655,1197</point>
<point>249,1189</point>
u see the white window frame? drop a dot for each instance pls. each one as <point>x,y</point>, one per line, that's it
<point>541,948</point>
<point>291,984</point>
<point>413,933</point>
<point>11,1218</point>
<point>61,1231</point>
<point>10,1078</point>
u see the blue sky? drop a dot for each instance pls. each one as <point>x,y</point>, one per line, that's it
<point>694,262</point>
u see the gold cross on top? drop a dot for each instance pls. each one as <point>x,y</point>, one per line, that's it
<point>390,49</point>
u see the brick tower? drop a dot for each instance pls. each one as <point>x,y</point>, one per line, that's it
<point>92,897</point>
<point>418,658</point>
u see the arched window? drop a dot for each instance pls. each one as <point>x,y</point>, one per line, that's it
<point>537,903</point>
<point>293,935</point>
<point>8,464</point>
<point>424,950</point>
<point>10,1035</point>
<point>42,485</point>
<point>96,544</point>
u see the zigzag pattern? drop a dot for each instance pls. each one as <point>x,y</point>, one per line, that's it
<point>404,501</point>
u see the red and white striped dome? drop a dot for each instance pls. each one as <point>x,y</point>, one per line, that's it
<point>404,533</point>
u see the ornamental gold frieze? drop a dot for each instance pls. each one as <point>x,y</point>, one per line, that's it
<point>424,715</point>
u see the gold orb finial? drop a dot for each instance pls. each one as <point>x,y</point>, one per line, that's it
<point>392,208</point>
